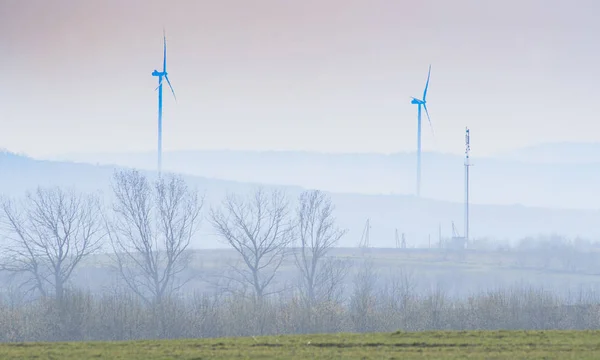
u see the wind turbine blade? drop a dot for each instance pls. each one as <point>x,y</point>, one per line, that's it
<point>427,84</point>
<point>429,119</point>
<point>164,51</point>
<point>159,84</point>
<point>173,91</point>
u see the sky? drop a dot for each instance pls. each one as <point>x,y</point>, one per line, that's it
<point>315,75</point>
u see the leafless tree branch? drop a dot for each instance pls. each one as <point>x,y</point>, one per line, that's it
<point>150,232</point>
<point>258,228</point>
<point>50,232</point>
<point>317,234</point>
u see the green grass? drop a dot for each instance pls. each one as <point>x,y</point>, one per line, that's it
<point>401,345</point>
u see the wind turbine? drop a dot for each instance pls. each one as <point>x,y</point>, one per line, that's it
<point>162,75</point>
<point>421,103</point>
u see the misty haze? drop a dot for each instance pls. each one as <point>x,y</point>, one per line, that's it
<point>199,169</point>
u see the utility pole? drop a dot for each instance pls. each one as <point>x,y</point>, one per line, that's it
<point>467,165</point>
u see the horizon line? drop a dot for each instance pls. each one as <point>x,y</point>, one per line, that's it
<point>305,151</point>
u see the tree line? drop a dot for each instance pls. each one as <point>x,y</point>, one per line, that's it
<point>395,306</point>
<point>146,226</point>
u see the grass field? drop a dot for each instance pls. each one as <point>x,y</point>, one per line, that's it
<point>426,345</point>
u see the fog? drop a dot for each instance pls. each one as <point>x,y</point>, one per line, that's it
<point>568,171</point>
<point>287,201</point>
<point>418,218</point>
<point>104,252</point>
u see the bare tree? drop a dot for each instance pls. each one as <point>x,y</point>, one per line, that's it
<point>317,234</point>
<point>150,230</point>
<point>49,233</point>
<point>398,298</point>
<point>329,280</point>
<point>363,300</point>
<point>258,228</point>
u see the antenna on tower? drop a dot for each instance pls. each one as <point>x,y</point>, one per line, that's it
<point>467,165</point>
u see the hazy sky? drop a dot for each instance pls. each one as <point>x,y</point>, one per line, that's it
<point>313,74</point>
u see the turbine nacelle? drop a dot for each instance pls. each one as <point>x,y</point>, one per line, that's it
<point>159,73</point>
<point>417,101</point>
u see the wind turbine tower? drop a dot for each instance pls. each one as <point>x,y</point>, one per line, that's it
<point>421,103</point>
<point>467,165</point>
<point>162,75</point>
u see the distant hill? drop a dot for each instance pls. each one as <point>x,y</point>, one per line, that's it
<point>419,219</point>
<point>563,152</point>
<point>501,180</point>
<point>22,173</point>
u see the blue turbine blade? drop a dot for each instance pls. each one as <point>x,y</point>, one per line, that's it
<point>173,91</point>
<point>427,84</point>
<point>428,118</point>
<point>164,52</point>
